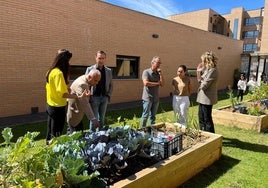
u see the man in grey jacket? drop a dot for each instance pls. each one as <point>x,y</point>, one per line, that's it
<point>101,94</point>
<point>77,108</point>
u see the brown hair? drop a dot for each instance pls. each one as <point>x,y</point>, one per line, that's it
<point>101,52</point>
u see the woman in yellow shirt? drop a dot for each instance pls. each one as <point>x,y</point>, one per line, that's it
<point>57,79</point>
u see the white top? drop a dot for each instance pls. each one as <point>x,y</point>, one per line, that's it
<point>242,85</point>
<point>252,84</point>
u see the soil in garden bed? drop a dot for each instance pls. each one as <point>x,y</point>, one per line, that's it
<point>135,164</point>
<point>231,109</point>
<point>241,107</point>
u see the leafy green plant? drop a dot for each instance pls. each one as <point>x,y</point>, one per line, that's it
<point>256,109</point>
<point>14,159</point>
<point>69,160</point>
<point>7,135</point>
<point>255,106</point>
<point>260,92</point>
<point>193,131</point>
<point>232,98</point>
<point>134,123</point>
<point>111,148</point>
<point>26,164</point>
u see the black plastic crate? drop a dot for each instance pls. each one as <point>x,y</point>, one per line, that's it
<point>165,149</point>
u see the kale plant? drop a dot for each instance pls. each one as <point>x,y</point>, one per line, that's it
<point>112,147</point>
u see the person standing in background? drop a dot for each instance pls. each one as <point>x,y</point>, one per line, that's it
<point>241,87</point>
<point>152,78</point>
<point>182,90</point>
<point>101,94</point>
<point>207,76</point>
<point>263,77</point>
<point>252,84</point>
<point>57,91</point>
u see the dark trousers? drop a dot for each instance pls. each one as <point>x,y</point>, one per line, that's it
<point>55,121</point>
<point>240,94</point>
<point>205,118</point>
<point>79,127</point>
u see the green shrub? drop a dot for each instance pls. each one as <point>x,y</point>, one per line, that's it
<point>260,92</point>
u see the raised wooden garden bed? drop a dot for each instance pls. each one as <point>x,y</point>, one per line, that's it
<point>178,168</point>
<point>227,117</point>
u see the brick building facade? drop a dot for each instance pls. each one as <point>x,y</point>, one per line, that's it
<point>33,30</point>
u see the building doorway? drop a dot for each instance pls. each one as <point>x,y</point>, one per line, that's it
<point>255,64</point>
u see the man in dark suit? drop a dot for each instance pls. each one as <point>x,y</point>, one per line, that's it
<point>101,94</point>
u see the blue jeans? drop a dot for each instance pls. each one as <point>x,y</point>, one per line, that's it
<point>149,110</point>
<point>99,106</point>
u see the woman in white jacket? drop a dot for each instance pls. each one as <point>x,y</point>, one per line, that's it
<point>241,86</point>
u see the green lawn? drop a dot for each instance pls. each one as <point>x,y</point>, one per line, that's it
<point>244,161</point>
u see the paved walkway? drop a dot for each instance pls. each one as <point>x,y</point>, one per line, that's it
<point>42,116</point>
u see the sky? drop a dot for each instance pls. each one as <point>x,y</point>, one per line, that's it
<point>164,8</point>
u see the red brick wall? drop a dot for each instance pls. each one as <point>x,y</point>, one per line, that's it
<point>33,30</point>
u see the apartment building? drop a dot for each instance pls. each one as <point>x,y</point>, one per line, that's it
<point>206,19</point>
<point>240,24</point>
<point>32,31</point>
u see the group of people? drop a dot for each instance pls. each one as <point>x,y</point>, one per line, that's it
<point>207,76</point>
<point>90,93</point>
<point>243,85</point>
